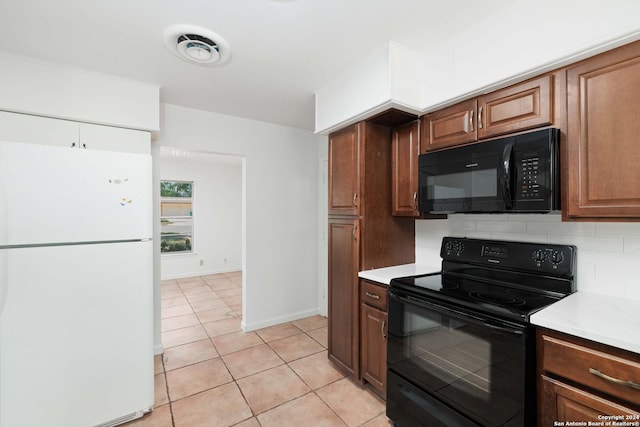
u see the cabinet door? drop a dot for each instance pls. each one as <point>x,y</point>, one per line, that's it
<point>107,138</point>
<point>344,181</point>
<point>602,141</point>
<point>343,294</point>
<point>374,347</point>
<point>523,106</point>
<point>405,148</point>
<point>424,134</point>
<point>15,127</point>
<point>454,125</point>
<point>562,403</point>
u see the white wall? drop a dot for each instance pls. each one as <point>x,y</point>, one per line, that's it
<point>527,38</point>
<point>323,223</point>
<point>608,253</point>
<point>64,92</point>
<point>280,249</point>
<point>217,213</point>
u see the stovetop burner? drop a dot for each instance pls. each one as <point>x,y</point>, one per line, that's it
<point>497,298</point>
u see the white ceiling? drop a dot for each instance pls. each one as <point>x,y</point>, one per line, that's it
<point>282,50</point>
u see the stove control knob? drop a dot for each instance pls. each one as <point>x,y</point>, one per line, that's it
<point>556,257</point>
<point>539,256</point>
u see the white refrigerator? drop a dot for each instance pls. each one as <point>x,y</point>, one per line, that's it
<point>76,286</point>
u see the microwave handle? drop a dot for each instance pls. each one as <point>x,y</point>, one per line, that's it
<point>507,170</point>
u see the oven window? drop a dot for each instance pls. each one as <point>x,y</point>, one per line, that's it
<point>477,370</point>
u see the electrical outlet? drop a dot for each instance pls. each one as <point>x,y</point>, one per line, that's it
<point>201,262</point>
<point>225,260</point>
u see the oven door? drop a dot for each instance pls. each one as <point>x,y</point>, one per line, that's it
<point>450,367</point>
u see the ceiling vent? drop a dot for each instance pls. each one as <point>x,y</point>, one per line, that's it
<point>196,45</point>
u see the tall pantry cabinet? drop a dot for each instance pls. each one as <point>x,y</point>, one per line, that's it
<point>363,234</point>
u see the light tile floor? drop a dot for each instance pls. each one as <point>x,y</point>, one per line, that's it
<point>212,374</point>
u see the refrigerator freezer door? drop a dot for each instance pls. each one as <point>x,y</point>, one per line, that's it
<point>76,335</point>
<point>60,195</point>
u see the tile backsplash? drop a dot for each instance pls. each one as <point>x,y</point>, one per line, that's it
<point>608,253</point>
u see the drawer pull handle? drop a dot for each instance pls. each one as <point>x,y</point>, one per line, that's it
<point>606,377</point>
<point>384,336</point>
<point>370,295</point>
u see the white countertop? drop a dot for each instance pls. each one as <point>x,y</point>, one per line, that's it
<point>605,319</point>
<point>601,318</point>
<point>384,275</point>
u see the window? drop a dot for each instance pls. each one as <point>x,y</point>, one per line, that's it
<point>176,216</point>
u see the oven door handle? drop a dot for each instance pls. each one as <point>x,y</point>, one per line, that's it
<point>489,323</point>
<point>437,307</point>
<point>502,328</point>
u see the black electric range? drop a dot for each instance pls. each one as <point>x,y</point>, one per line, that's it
<point>461,349</point>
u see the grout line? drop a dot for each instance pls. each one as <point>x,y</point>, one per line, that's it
<point>166,386</point>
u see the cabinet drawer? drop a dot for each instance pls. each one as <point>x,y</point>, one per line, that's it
<point>613,375</point>
<point>573,404</point>
<point>373,295</point>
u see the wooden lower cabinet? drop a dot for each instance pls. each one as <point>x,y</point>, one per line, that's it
<point>373,335</point>
<point>582,381</point>
<point>343,294</point>
<point>565,403</point>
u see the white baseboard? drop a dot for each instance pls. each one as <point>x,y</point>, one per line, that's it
<point>158,349</point>
<point>200,273</point>
<point>247,327</point>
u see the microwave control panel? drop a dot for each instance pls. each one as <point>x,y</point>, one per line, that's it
<point>531,183</point>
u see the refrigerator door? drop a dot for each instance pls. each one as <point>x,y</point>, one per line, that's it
<point>54,194</point>
<point>76,335</point>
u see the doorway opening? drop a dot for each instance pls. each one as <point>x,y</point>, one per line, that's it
<point>216,219</point>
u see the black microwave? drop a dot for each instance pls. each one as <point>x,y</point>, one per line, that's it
<point>512,174</point>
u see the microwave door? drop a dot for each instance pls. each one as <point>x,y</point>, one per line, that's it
<point>491,176</point>
<point>444,186</point>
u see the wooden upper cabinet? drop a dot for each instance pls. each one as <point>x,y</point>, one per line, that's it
<point>519,107</point>
<point>525,105</point>
<point>451,126</point>
<point>603,145</point>
<point>405,148</point>
<point>344,175</point>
